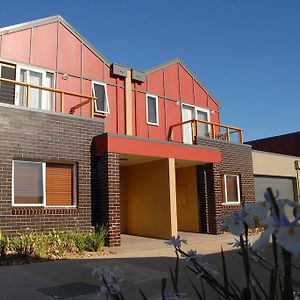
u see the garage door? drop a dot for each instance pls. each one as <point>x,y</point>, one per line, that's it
<point>285,187</point>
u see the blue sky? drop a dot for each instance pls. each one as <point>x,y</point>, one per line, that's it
<point>246,53</point>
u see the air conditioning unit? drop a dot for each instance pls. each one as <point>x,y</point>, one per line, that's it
<point>297,164</point>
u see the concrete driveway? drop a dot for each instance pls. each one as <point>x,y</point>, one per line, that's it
<point>142,263</point>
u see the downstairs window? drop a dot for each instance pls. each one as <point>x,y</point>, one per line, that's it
<point>43,184</point>
<point>231,189</point>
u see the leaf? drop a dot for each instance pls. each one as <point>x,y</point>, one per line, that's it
<point>143,295</point>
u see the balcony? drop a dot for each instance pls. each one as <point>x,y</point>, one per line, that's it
<point>33,96</point>
<point>189,131</point>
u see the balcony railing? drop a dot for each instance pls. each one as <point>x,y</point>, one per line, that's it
<point>58,97</point>
<point>189,131</point>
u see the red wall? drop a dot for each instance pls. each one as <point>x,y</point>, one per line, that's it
<point>55,48</point>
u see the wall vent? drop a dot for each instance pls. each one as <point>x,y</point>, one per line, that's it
<point>118,70</point>
<point>138,76</point>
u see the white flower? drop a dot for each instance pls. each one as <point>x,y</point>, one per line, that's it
<point>288,233</point>
<point>258,210</point>
<point>109,277</point>
<point>193,255</point>
<point>176,241</point>
<point>171,295</point>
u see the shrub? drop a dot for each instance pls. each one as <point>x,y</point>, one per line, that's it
<point>96,238</point>
<point>3,244</point>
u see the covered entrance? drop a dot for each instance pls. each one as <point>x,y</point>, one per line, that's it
<point>153,191</point>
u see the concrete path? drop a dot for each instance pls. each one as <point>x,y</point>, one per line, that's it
<point>142,263</point>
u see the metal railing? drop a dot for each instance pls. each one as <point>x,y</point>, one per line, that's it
<point>201,128</point>
<point>28,87</point>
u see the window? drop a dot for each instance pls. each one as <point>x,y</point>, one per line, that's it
<point>38,98</point>
<point>190,112</point>
<point>231,189</point>
<point>101,103</point>
<point>7,89</point>
<point>152,109</point>
<point>42,184</point>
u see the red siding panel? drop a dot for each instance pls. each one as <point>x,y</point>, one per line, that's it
<point>212,104</point>
<point>44,46</point>
<point>86,90</point>
<point>200,96</point>
<point>140,106</point>
<point>107,77</point>
<point>111,119</point>
<point>92,66</point>
<point>16,46</point>
<point>70,85</point>
<point>69,52</point>
<point>173,113</point>
<point>155,83</point>
<point>171,82</point>
<point>187,93</point>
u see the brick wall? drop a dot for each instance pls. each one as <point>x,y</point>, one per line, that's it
<point>235,159</point>
<point>45,136</point>
<point>107,180</point>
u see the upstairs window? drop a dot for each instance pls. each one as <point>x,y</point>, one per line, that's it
<point>231,189</point>
<point>7,89</point>
<point>36,98</point>
<point>101,103</point>
<point>43,184</point>
<point>152,109</point>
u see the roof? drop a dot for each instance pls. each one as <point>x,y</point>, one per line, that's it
<point>58,18</point>
<point>296,133</point>
<point>179,61</point>
<point>49,20</point>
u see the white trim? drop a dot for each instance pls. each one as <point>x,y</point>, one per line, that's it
<point>206,110</point>
<point>13,185</point>
<point>156,110</point>
<point>238,189</point>
<point>106,104</point>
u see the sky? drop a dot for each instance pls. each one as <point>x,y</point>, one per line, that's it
<point>245,53</point>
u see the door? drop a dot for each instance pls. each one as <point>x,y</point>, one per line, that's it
<point>187,114</point>
<point>284,185</point>
<point>202,127</point>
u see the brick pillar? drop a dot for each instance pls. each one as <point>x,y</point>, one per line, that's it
<point>109,208</point>
<point>209,197</point>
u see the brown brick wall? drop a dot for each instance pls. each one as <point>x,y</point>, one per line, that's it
<point>235,159</point>
<point>108,181</point>
<point>44,136</point>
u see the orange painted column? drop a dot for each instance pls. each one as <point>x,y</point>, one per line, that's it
<point>128,104</point>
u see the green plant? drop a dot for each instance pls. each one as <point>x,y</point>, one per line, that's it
<point>96,238</point>
<point>23,244</point>
<point>3,244</point>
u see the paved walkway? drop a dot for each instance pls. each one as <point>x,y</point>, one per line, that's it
<point>142,263</point>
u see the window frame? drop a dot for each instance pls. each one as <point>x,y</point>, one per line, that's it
<point>44,204</point>
<point>156,109</point>
<point>106,97</point>
<point>225,190</point>
<point>43,180</point>
<point>42,71</point>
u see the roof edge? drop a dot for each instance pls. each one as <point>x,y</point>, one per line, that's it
<point>179,61</point>
<point>49,20</point>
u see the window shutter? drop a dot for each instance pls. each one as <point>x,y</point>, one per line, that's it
<point>59,185</point>
<point>7,90</point>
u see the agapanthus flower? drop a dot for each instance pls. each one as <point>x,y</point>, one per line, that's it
<point>176,241</point>
<point>171,295</point>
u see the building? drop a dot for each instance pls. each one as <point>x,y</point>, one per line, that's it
<point>288,144</point>
<point>276,163</point>
<point>86,141</point>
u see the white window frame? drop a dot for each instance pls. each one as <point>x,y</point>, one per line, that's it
<point>13,184</point>
<point>44,204</point>
<point>198,108</point>
<point>156,107</point>
<point>238,189</point>
<point>106,97</point>
<point>33,69</point>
